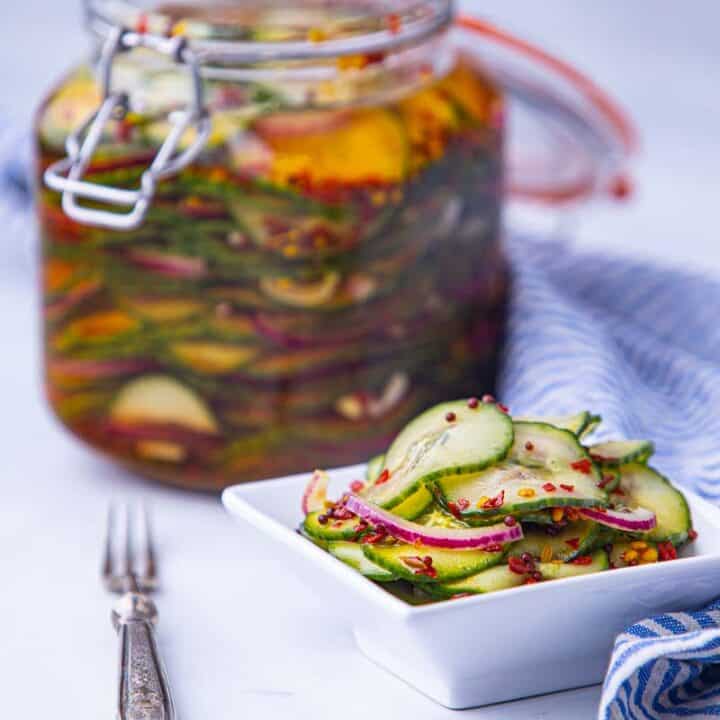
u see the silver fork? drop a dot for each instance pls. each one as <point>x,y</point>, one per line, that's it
<point>129,569</point>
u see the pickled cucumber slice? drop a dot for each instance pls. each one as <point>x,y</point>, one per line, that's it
<point>449,439</point>
<point>415,505</point>
<point>351,554</point>
<point>213,358</point>
<point>402,561</point>
<point>374,467</point>
<point>501,577</point>
<point>541,445</point>
<point>621,452</point>
<point>160,399</point>
<point>642,486</point>
<point>331,529</point>
<point>576,538</point>
<point>576,424</point>
<point>508,488</point>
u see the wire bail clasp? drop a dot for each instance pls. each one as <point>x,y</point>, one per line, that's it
<point>66,175</point>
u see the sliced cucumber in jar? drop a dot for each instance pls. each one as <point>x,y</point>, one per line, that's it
<point>621,452</point>
<point>510,489</point>
<point>641,486</point>
<point>421,564</point>
<point>351,553</point>
<point>449,439</point>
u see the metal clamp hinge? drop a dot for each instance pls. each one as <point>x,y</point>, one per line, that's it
<point>66,175</point>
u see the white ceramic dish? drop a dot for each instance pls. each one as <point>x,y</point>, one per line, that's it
<point>501,646</point>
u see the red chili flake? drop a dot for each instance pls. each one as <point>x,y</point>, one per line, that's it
<point>574,543</point>
<point>450,417</point>
<point>494,547</point>
<point>473,402</point>
<point>383,477</point>
<point>463,504</point>
<point>619,491</point>
<point>584,466</point>
<point>427,560</point>
<point>582,560</point>
<point>567,488</point>
<point>372,538</point>
<point>357,485</point>
<point>666,551</point>
<point>453,508</point>
<point>431,572</point>
<point>606,480</point>
<point>337,524</point>
<point>529,446</point>
<point>141,26</point>
<point>517,566</point>
<point>572,514</point>
<point>549,487</point>
<point>503,408</point>
<point>598,458</point>
<point>692,534</point>
<point>530,581</point>
<point>510,521</point>
<point>394,23</point>
<point>495,502</point>
<point>488,399</point>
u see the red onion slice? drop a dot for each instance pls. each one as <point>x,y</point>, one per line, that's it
<point>638,520</point>
<point>454,538</point>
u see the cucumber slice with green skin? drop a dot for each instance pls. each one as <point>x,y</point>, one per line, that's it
<point>621,452</point>
<point>402,561</point>
<point>415,505</point>
<point>591,427</point>
<point>522,490</point>
<point>448,439</point>
<point>618,558</point>
<point>501,577</point>
<point>351,554</point>
<point>332,529</point>
<point>374,468</point>
<point>540,445</point>
<point>576,538</point>
<point>644,487</point>
<point>576,424</point>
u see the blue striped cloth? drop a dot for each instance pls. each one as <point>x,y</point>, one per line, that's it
<point>640,345</point>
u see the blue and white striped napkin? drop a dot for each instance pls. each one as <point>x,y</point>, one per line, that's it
<point>641,346</point>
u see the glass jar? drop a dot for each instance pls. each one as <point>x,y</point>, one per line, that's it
<point>276,240</point>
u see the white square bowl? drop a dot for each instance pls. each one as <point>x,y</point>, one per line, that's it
<point>488,648</point>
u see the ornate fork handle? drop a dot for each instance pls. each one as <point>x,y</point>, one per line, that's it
<point>144,693</point>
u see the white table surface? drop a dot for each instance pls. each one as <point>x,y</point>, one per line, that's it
<point>240,640</point>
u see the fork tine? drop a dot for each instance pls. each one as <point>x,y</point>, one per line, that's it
<point>126,562</point>
<point>107,563</point>
<point>149,565</point>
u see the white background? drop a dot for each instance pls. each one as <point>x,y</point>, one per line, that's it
<point>240,639</point>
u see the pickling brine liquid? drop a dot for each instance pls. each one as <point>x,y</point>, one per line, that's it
<point>316,278</point>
